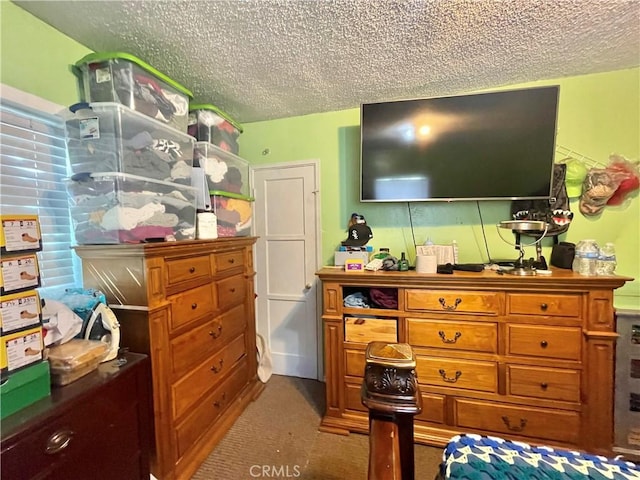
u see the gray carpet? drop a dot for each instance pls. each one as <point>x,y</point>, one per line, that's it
<point>277,437</point>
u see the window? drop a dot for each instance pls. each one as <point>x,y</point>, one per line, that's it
<point>33,165</point>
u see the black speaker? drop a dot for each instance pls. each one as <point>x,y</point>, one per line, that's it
<point>562,254</point>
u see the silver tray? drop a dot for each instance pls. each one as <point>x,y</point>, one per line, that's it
<point>524,225</point>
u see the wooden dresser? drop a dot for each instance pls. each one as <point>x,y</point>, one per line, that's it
<point>98,427</point>
<point>524,357</point>
<point>190,306</point>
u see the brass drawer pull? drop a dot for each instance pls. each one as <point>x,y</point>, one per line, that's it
<point>515,428</point>
<point>194,306</point>
<point>216,333</point>
<point>192,269</point>
<point>218,403</point>
<point>232,290</point>
<point>232,261</point>
<point>443,374</point>
<point>544,344</point>
<point>544,385</point>
<point>215,369</point>
<point>58,442</point>
<point>444,338</point>
<point>543,306</point>
<point>450,308</point>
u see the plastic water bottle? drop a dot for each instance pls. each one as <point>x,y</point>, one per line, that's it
<point>586,258</point>
<point>606,264</point>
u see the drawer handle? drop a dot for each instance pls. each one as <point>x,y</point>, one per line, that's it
<point>215,369</point>
<point>444,338</point>
<point>544,344</point>
<point>232,290</point>
<point>543,306</point>
<point>194,306</point>
<point>515,428</point>
<point>232,261</point>
<point>544,385</point>
<point>449,308</point>
<point>218,403</point>
<point>443,374</point>
<point>58,442</point>
<point>192,269</point>
<point>216,333</point>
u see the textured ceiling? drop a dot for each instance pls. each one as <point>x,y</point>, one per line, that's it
<point>260,60</point>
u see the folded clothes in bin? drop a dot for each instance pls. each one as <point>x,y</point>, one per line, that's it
<point>207,123</point>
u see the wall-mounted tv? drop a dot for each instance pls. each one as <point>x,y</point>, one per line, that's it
<point>487,146</point>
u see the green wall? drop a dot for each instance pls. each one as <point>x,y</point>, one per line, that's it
<point>599,114</point>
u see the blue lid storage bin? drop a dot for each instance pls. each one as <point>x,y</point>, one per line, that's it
<point>223,170</point>
<point>114,207</point>
<point>124,78</point>
<point>109,137</point>
<point>207,123</point>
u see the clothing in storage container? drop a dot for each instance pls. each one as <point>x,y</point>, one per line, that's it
<point>207,123</point>
<point>216,162</point>
<point>115,207</point>
<point>234,213</point>
<point>110,137</point>
<point>124,78</point>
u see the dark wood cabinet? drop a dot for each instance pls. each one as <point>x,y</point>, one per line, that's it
<point>97,427</point>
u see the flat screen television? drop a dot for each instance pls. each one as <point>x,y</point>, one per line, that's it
<point>486,146</point>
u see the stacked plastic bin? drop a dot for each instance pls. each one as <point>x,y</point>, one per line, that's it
<point>24,375</point>
<point>130,155</point>
<point>226,174</point>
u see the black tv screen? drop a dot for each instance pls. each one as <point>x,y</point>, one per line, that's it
<point>486,146</point>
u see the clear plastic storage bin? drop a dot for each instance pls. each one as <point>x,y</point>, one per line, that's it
<point>223,170</point>
<point>207,123</point>
<point>123,78</point>
<point>234,213</point>
<point>109,208</point>
<point>109,137</point>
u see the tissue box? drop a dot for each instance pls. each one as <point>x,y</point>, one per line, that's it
<point>207,123</point>
<point>123,78</point>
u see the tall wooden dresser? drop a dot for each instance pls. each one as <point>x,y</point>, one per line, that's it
<point>529,358</point>
<point>190,306</point>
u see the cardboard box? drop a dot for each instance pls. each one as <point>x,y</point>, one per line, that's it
<point>24,388</point>
<point>19,273</point>
<point>17,350</point>
<point>20,233</point>
<point>20,311</point>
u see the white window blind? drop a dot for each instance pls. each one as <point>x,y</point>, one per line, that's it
<point>33,164</point>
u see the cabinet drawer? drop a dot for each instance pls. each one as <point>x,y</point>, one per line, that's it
<point>201,342</point>
<point>458,335</point>
<point>228,260</point>
<point>208,409</point>
<point>186,391</point>
<point>183,270</point>
<point>190,305</point>
<point>452,301</point>
<point>547,383</point>
<point>543,341</point>
<point>544,304</point>
<point>432,408</point>
<point>365,330</point>
<point>464,374</point>
<point>558,425</point>
<point>354,362</point>
<point>353,397</point>
<point>231,290</point>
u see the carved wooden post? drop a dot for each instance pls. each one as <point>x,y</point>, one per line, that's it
<point>390,392</point>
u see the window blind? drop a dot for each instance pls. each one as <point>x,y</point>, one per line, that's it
<point>33,165</point>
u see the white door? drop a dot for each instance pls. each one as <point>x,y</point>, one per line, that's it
<point>287,256</point>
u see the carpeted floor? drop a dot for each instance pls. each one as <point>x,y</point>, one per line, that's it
<point>277,437</point>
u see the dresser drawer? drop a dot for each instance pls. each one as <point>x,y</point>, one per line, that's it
<point>231,290</point>
<point>452,301</point>
<point>432,408</point>
<point>544,304</point>
<point>547,383</point>
<point>184,270</point>
<point>543,341</point>
<point>354,362</point>
<point>463,374</point>
<point>201,342</point>
<point>186,391</point>
<point>353,397</point>
<point>365,330</point>
<point>557,425</point>
<point>209,408</point>
<point>190,305</point>
<point>458,335</point>
<point>228,260</point>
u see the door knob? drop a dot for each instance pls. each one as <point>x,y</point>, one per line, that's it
<point>308,286</point>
